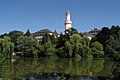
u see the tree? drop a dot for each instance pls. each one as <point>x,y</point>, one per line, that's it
<point>60,41</point>
<point>103,36</point>
<point>97,49</point>
<point>28,46</point>
<point>61,52</point>
<point>71,31</point>
<point>14,35</point>
<point>111,45</point>
<point>86,52</point>
<point>66,37</point>
<point>73,46</point>
<point>49,48</point>
<point>27,33</point>
<point>115,30</point>
<point>7,38</point>
<point>85,41</point>
<point>111,48</point>
<point>75,38</point>
<point>78,49</point>
<point>6,48</point>
<point>70,48</point>
<point>109,38</point>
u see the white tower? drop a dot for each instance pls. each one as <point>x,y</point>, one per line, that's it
<point>68,22</point>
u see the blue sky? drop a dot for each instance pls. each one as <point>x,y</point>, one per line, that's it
<point>42,14</point>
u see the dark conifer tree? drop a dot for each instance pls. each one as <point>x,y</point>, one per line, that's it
<point>27,33</point>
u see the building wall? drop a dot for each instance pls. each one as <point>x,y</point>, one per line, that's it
<point>68,26</point>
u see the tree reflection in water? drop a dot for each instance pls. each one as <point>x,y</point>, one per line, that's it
<point>55,69</point>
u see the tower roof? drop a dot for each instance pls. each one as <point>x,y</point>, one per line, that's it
<point>67,13</point>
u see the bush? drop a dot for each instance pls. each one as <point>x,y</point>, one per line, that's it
<point>117,56</point>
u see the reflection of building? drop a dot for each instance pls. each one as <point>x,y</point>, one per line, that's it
<point>39,34</point>
<point>91,33</point>
<point>68,22</point>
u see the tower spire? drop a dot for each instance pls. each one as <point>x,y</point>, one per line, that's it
<point>68,22</point>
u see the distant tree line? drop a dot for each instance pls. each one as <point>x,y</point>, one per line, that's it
<point>71,44</point>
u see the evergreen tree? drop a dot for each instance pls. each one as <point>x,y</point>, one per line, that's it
<point>27,33</point>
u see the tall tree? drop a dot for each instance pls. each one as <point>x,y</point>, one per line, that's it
<point>27,33</point>
<point>73,45</point>
<point>14,35</point>
<point>103,36</point>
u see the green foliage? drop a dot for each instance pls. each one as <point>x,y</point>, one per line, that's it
<point>110,39</point>
<point>97,49</point>
<point>70,48</point>
<point>71,31</point>
<point>1,58</point>
<point>77,57</point>
<point>61,52</point>
<point>78,48</point>
<point>27,33</point>
<point>85,41</point>
<point>75,38</point>
<point>86,52</point>
<point>116,72</point>
<point>60,41</point>
<point>103,36</point>
<point>64,38</point>
<point>97,45</point>
<point>115,30</point>
<point>7,38</point>
<point>46,38</point>
<point>117,56</point>
<point>49,48</point>
<point>73,45</point>
<point>78,45</point>
<point>28,46</point>
<point>14,35</point>
<point>6,48</point>
<point>111,47</point>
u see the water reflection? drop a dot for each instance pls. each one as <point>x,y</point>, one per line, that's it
<point>55,69</point>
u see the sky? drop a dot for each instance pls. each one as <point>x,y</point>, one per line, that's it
<point>50,14</point>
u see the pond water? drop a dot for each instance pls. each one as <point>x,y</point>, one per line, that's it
<point>56,69</point>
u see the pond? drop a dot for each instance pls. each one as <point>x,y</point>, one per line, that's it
<point>56,69</point>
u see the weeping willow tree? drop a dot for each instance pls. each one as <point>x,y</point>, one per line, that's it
<point>6,48</point>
